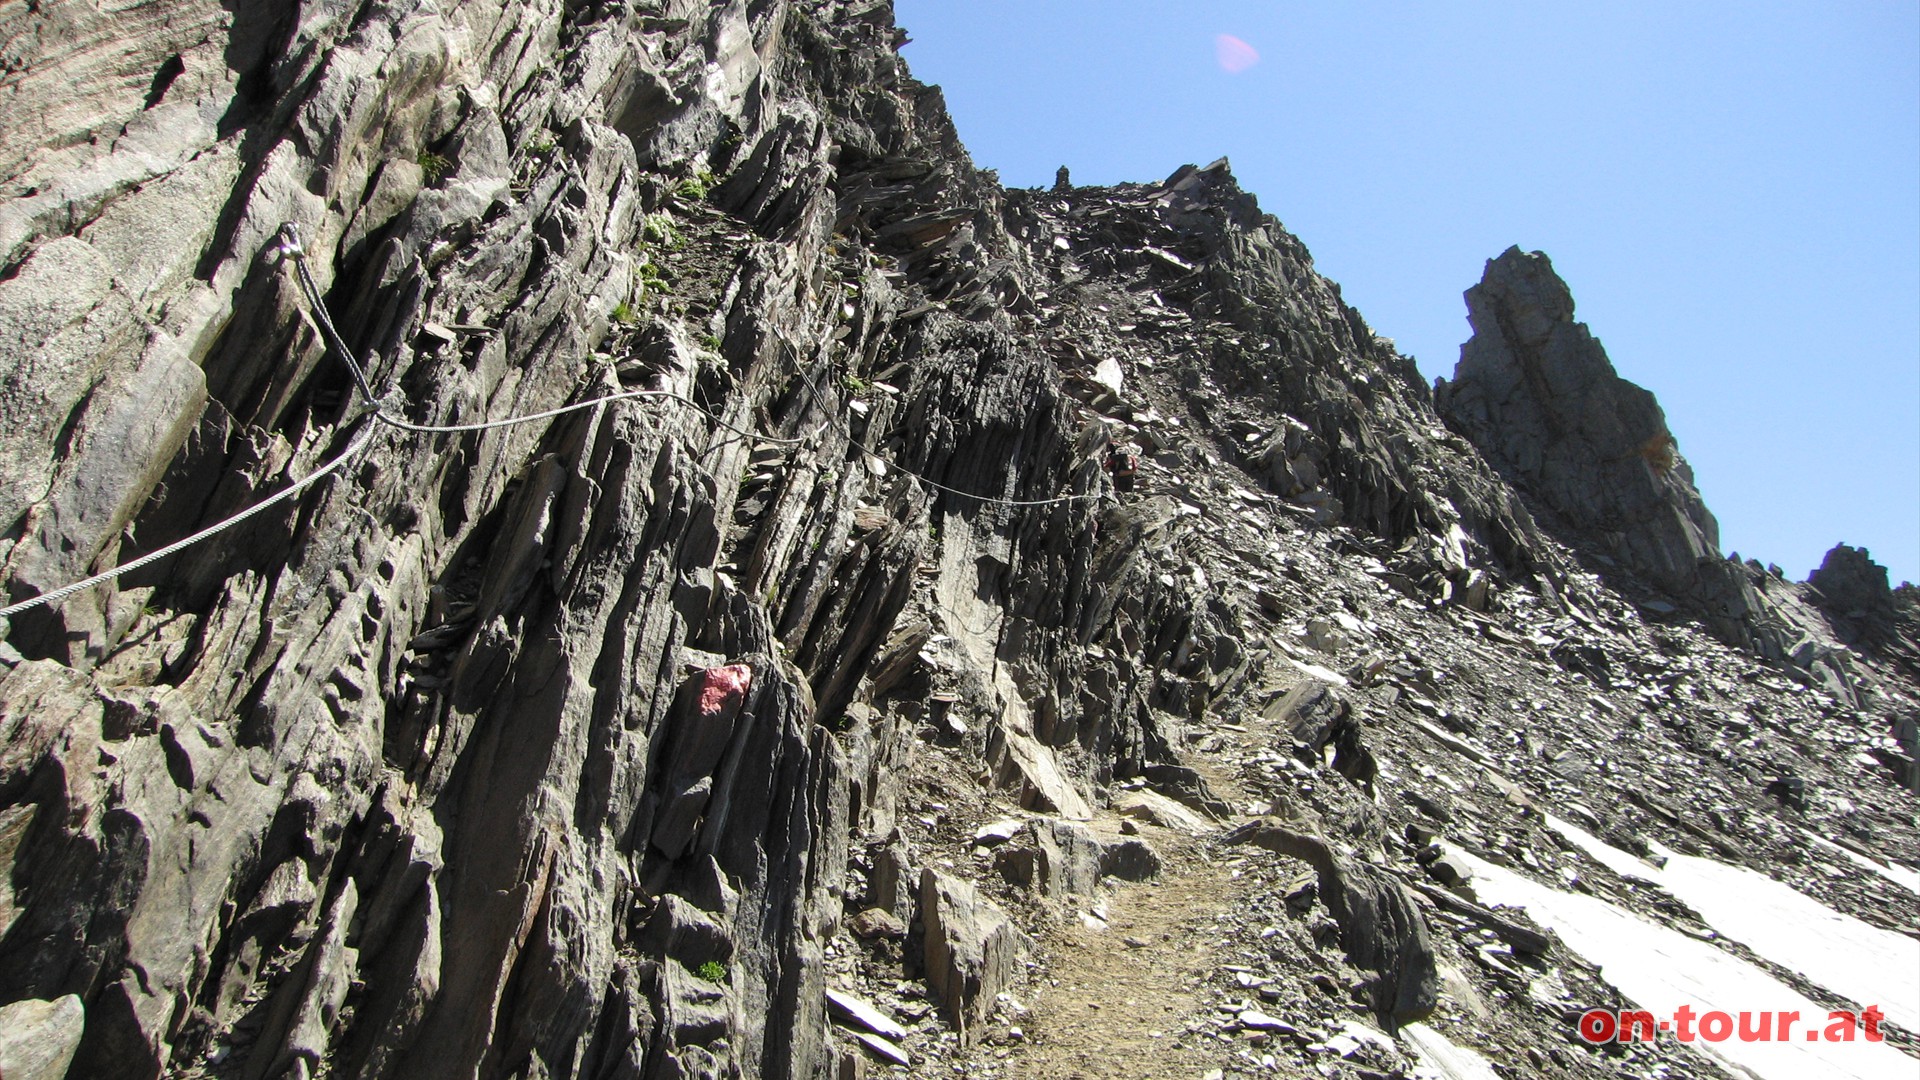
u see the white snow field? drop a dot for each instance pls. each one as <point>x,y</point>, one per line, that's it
<point>1661,969</point>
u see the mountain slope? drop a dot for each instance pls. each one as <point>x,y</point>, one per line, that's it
<point>608,742</point>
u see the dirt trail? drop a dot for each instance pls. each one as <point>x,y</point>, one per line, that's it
<point>1119,998</point>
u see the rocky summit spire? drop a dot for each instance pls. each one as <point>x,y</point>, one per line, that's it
<point>1535,392</point>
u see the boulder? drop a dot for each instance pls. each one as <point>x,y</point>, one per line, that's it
<point>874,923</point>
<point>1310,711</point>
<point>1130,860</point>
<point>38,1038</point>
<point>972,951</point>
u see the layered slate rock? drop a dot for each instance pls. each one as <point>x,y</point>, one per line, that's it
<point>419,775</point>
<point>1535,391</point>
<point>603,745</point>
<point>1861,611</point>
<point>972,950</point>
<point>1381,926</point>
<point>1852,585</point>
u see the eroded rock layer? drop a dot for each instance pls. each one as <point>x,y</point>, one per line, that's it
<point>954,555</point>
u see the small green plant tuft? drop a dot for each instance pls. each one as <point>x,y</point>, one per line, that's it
<point>854,383</point>
<point>433,167</point>
<point>710,342</point>
<point>658,229</point>
<point>694,188</point>
<point>712,971</point>
<point>624,314</point>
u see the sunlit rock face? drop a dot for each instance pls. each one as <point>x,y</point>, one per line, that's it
<point>919,568</point>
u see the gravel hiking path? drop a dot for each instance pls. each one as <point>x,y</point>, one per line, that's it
<point>1117,999</point>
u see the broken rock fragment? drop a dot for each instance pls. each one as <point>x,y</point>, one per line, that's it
<point>972,950</point>
<point>851,1010</point>
<point>38,1038</point>
<point>884,1049</point>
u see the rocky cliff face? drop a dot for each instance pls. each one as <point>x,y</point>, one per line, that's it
<point>1535,392</point>
<point>629,741</point>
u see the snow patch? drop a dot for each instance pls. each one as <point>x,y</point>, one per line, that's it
<point>1854,959</point>
<point>1660,969</point>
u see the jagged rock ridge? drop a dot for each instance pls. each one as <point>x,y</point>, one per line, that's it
<point>1536,393</point>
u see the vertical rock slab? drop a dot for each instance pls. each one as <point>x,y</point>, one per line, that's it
<point>1070,858</point>
<point>712,700</point>
<point>972,951</point>
<point>1381,928</point>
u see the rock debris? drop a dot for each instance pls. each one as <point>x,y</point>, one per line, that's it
<point>1108,658</point>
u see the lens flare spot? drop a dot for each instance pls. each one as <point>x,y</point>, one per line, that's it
<point>1235,56</point>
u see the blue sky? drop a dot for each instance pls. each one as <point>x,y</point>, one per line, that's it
<point>1731,191</point>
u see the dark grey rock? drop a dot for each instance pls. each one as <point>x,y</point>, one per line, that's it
<point>1381,928</point>
<point>1130,860</point>
<point>1850,584</point>
<point>972,951</point>
<point>410,775</point>
<point>1535,391</point>
<point>1070,859</point>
